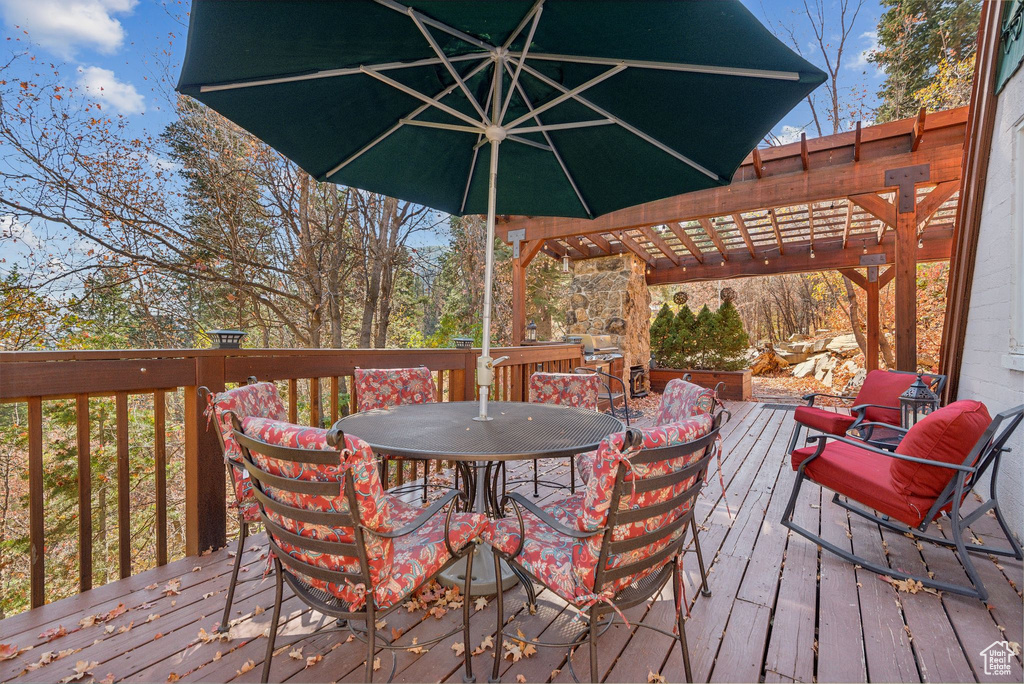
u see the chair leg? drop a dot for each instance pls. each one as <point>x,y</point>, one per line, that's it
<point>957,529</point>
<point>572,474</point>
<point>794,438</point>
<point>536,492</point>
<point>592,637</point>
<point>426,476</point>
<point>500,601</point>
<point>705,590</point>
<point>371,641</point>
<point>272,636</point>
<point>468,677</point>
<point>243,531</point>
<point>682,626</point>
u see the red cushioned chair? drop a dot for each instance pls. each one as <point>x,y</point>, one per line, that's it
<point>877,402</point>
<point>377,388</point>
<point>933,468</point>
<point>618,543</point>
<point>254,399</point>
<point>566,389</point>
<point>337,540</point>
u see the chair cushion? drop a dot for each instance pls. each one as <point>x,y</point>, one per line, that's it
<point>682,400</point>
<point>568,389</point>
<point>829,422</point>
<point>860,475</point>
<point>546,554</point>
<point>259,399</point>
<point>946,435</point>
<point>386,387</point>
<point>884,387</point>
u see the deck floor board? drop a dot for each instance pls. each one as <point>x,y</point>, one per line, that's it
<point>780,609</point>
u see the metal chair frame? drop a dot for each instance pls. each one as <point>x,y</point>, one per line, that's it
<point>860,425</point>
<point>285,566</point>
<point>984,455</point>
<point>646,587</point>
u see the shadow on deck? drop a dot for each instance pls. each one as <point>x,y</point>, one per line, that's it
<point>780,611</point>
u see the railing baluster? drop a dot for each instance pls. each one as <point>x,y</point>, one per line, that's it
<point>351,394</point>
<point>314,402</point>
<point>334,400</point>
<point>37,534</point>
<point>124,517</point>
<point>84,493</point>
<point>293,400</point>
<point>160,463</point>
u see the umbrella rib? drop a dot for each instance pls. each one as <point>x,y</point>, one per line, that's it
<point>447,64</point>
<point>551,143</point>
<point>566,93</point>
<point>629,127</point>
<point>432,101</point>
<point>522,24</point>
<point>451,30</point>
<point>414,113</point>
<point>476,152</point>
<point>564,126</point>
<point>668,66</point>
<point>537,9</point>
<point>332,73</point>
<point>475,130</point>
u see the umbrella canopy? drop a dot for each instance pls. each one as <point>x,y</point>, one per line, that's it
<point>596,105</point>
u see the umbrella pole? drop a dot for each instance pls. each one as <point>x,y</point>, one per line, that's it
<point>484,365</point>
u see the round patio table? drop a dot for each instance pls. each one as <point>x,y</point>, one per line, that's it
<point>447,431</point>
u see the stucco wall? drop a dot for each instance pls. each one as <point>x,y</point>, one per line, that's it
<point>990,373</point>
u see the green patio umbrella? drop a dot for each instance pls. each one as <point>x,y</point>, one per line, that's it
<point>595,105</point>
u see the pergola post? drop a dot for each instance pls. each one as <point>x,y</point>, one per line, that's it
<point>871,359</point>
<point>905,180</point>
<point>518,300</point>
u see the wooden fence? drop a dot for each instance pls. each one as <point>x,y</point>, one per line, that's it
<point>37,377</point>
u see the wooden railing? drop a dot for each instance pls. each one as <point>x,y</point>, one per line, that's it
<point>163,385</point>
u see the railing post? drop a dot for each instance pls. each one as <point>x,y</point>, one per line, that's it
<point>205,503</point>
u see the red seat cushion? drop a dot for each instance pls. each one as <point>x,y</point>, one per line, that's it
<point>826,421</point>
<point>860,475</point>
<point>947,435</point>
<point>885,388</point>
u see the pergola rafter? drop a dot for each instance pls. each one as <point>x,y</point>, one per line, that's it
<point>812,205</point>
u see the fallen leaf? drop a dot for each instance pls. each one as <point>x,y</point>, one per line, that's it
<point>172,587</point>
<point>396,633</point>
<point>126,628</point>
<point>520,678</point>
<point>296,654</point>
<point>653,676</point>
<point>258,610</point>
<point>381,624</point>
<point>152,586</point>
<point>114,612</point>
<point>109,679</point>
<point>109,629</point>
<point>207,638</point>
<point>480,603</point>
<point>209,594</point>
<point>313,660</point>
<point>376,663</point>
<point>459,648</point>
<point>88,621</point>
<point>10,651</point>
<point>53,633</point>
<point>248,665</point>
<point>153,616</point>
<point>82,668</point>
<point>216,656</point>
<point>173,677</point>
<point>196,569</point>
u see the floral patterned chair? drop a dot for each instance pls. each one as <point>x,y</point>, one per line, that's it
<point>378,388</point>
<point>617,543</point>
<point>254,399</point>
<point>567,389</point>
<point>336,537</point>
<point>682,399</point>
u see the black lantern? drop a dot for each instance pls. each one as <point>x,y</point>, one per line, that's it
<point>463,342</point>
<point>917,402</point>
<point>225,339</point>
<point>531,332</point>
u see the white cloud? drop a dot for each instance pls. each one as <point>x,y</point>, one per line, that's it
<point>13,229</point>
<point>63,26</point>
<point>862,59</point>
<point>158,163</point>
<point>790,134</point>
<point>103,85</point>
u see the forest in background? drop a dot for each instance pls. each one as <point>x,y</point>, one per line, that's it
<point>129,240</point>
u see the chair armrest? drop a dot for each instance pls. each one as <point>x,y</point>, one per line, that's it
<point>421,520</point>
<point>890,454</point>
<point>809,398</point>
<point>884,426</point>
<point>548,519</point>
<point>860,407</point>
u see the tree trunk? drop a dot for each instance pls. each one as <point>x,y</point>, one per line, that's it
<point>854,311</point>
<point>369,307</point>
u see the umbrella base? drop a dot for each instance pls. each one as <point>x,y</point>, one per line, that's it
<point>484,582</point>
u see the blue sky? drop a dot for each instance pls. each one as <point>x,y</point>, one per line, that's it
<point>121,50</point>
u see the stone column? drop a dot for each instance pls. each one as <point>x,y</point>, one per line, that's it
<point>610,297</point>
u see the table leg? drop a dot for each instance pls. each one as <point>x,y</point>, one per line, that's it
<point>484,583</point>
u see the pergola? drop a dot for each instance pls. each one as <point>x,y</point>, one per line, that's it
<point>871,203</point>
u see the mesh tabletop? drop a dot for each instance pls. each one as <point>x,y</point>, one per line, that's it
<point>447,430</point>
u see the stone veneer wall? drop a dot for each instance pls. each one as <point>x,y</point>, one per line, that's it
<point>610,297</point>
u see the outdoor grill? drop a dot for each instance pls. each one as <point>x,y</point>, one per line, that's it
<point>599,348</point>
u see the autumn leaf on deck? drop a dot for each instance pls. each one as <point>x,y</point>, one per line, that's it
<point>10,651</point>
<point>313,660</point>
<point>172,587</point>
<point>459,648</point>
<point>113,613</point>
<point>376,663</point>
<point>520,678</point>
<point>109,679</point>
<point>52,633</point>
<point>654,677</point>
<point>82,668</point>
<point>126,628</point>
<point>153,616</point>
<point>480,603</point>
<point>396,633</point>
<point>248,665</point>
<point>296,654</point>
<point>173,677</point>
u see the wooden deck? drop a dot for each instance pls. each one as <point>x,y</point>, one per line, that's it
<point>780,610</point>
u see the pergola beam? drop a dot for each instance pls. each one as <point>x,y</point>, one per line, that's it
<point>691,246</point>
<point>634,247</point>
<point>775,229</point>
<point>600,242</point>
<point>713,235</point>
<point>934,200</point>
<point>742,227</point>
<point>660,243</point>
